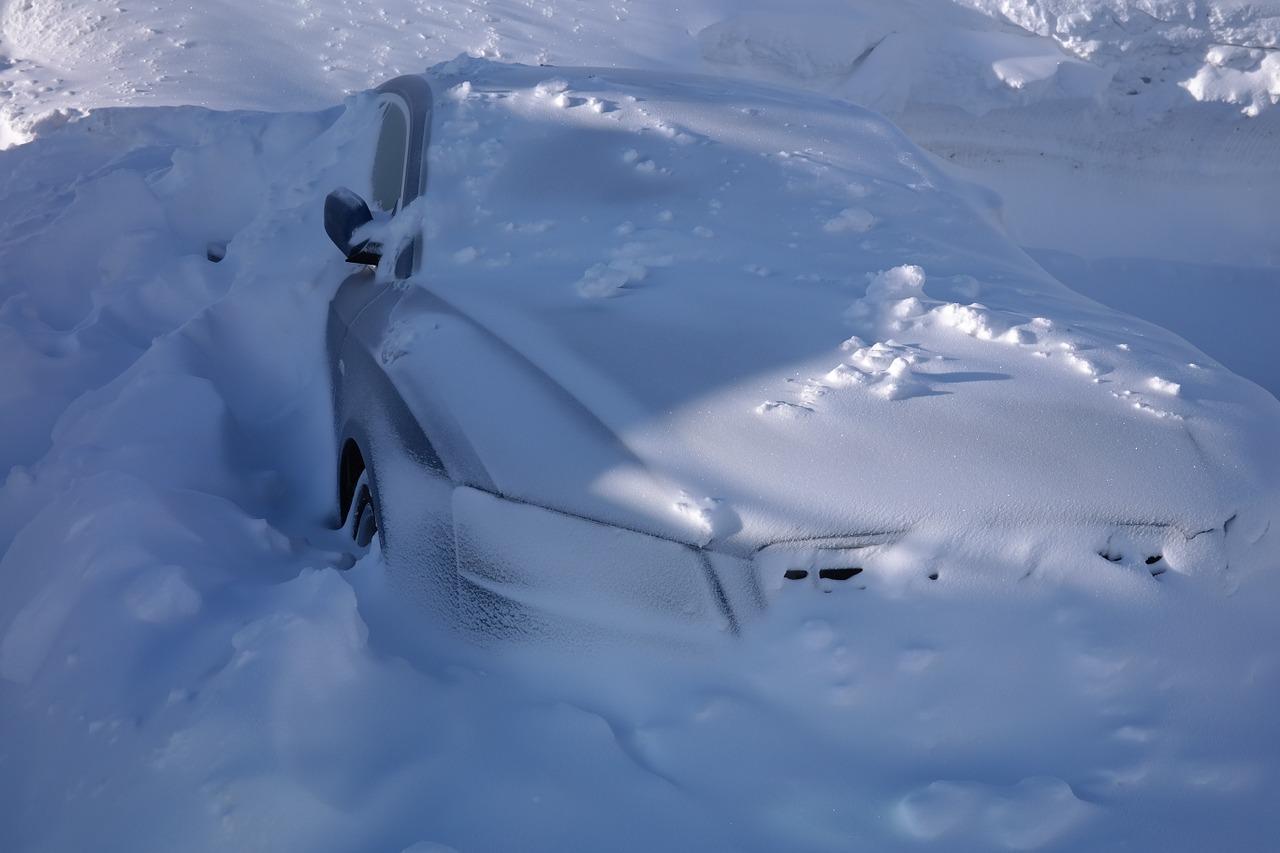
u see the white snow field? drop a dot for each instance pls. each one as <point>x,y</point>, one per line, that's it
<point>185,661</point>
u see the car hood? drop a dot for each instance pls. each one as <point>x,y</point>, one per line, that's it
<point>765,420</point>
<point>773,320</point>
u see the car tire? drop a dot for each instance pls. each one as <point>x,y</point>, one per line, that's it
<point>361,522</point>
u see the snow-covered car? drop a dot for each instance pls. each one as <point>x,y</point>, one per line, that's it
<point>645,353</point>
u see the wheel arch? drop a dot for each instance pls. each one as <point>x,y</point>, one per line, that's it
<point>351,465</point>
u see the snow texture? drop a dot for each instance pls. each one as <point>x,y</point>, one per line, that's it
<point>189,659</point>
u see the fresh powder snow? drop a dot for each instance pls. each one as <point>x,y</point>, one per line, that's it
<point>189,658</point>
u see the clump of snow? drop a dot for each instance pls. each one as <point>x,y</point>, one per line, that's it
<point>1028,816</point>
<point>162,595</point>
<point>713,516</point>
<point>854,219</point>
<point>608,279</point>
<point>783,409</point>
<point>1238,75</point>
<point>631,265</point>
<point>887,366</point>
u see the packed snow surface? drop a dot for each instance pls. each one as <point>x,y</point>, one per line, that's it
<point>190,661</point>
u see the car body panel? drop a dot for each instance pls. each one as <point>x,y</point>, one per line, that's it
<point>748,399</point>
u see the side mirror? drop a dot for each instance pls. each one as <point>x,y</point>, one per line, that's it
<point>344,213</point>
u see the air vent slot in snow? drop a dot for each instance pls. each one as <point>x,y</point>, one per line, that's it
<point>838,574</point>
<point>1154,562</point>
<point>825,574</point>
<point>824,564</point>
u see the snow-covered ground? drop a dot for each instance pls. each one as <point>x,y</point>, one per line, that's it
<point>183,667</point>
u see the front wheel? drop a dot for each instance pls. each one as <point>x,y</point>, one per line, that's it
<point>361,522</point>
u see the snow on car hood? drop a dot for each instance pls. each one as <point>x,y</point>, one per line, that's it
<point>873,355</point>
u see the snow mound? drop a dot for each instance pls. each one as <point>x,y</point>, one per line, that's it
<point>888,55</point>
<point>1214,51</point>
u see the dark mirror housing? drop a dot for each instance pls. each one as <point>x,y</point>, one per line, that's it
<point>344,213</point>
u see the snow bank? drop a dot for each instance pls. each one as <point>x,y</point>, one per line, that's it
<point>59,59</point>
<point>1214,51</point>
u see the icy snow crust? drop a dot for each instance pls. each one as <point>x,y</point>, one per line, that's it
<point>183,665</point>
<point>833,369</point>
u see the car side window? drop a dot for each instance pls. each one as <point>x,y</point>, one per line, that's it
<point>390,157</point>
